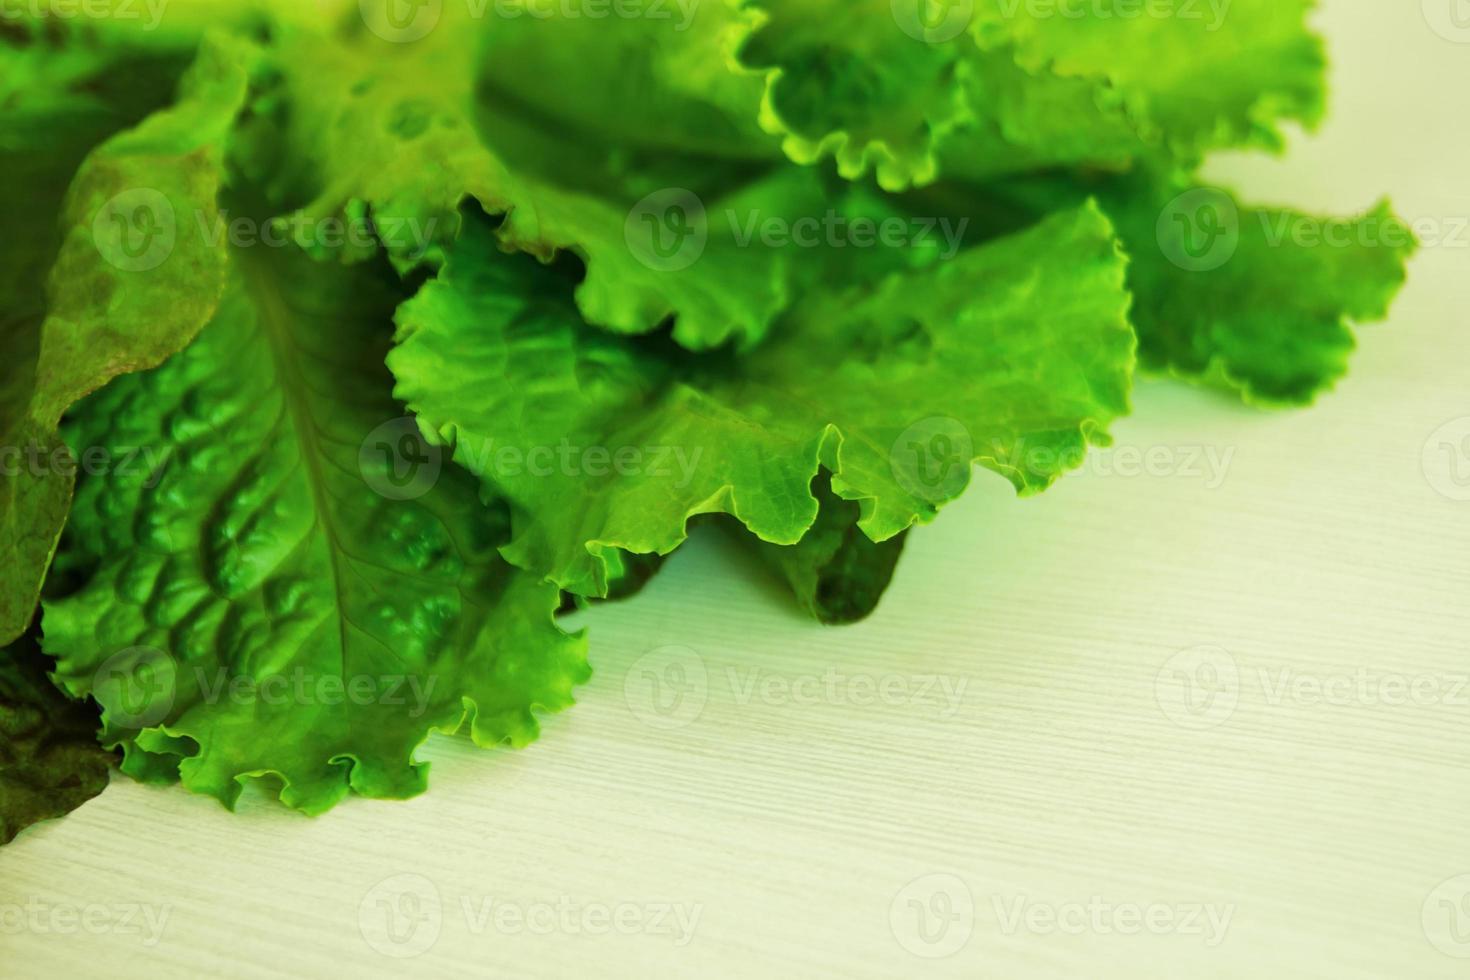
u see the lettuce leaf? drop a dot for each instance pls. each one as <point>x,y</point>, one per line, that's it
<point>668,83</point>
<point>408,132</point>
<point>916,89</point>
<point>130,284</point>
<point>843,80</point>
<point>1259,300</point>
<point>1272,319</point>
<point>1195,76</point>
<point>1017,355</point>
<point>297,589</point>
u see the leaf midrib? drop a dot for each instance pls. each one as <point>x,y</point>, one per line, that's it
<point>274,314</point>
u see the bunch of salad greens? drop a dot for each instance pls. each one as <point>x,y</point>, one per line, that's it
<point>347,343</point>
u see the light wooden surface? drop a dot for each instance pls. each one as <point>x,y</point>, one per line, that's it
<point>1194,725</point>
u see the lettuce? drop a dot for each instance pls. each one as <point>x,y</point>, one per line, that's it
<point>1260,300</point>
<point>864,383</point>
<point>1004,86</point>
<point>429,332</point>
<point>292,547</point>
<point>125,289</point>
<point>409,132</point>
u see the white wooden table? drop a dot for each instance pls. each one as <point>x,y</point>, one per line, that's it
<point>1176,723</point>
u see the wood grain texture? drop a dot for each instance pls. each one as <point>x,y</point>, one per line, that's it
<point>1313,789</point>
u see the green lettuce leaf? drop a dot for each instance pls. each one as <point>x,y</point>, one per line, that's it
<point>1195,75</point>
<point>297,588</point>
<point>913,89</point>
<point>407,132</point>
<point>664,83</point>
<point>1017,355</point>
<point>1260,300</point>
<point>843,80</point>
<point>63,93</point>
<point>50,762</point>
<point>130,283</point>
